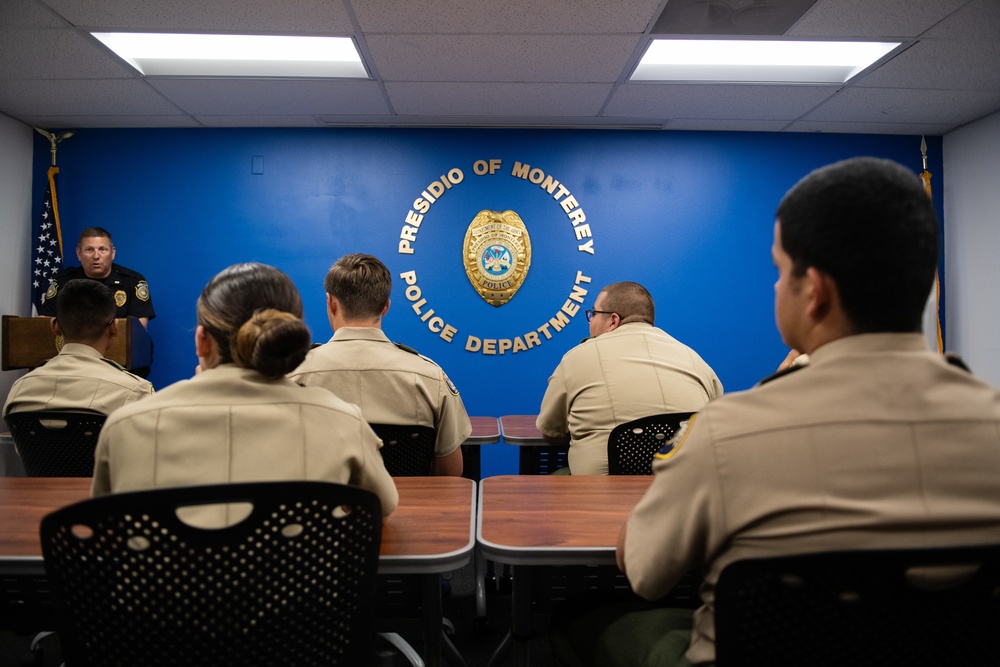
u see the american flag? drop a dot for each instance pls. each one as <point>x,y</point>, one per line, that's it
<point>47,247</point>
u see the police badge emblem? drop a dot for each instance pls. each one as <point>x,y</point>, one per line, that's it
<point>120,298</point>
<point>497,254</point>
<point>142,290</point>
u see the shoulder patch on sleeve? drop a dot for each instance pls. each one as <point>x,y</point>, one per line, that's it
<point>451,386</point>
<point>51,292</point>
<point>673,445</point>
<point>142,290</point>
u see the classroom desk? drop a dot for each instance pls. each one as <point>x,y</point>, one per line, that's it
<point>430,532</point>
<point>485,431</point>
<point>550,520</point>
<point>536,456</point>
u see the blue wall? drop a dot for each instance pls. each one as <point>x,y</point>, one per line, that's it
<point>689,215</point>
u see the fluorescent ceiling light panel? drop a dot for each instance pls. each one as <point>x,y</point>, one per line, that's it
<point>757,61</point>
<point>156,54</point>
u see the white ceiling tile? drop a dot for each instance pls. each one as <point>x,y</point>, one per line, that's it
<point>872,18</point>
<point>28,14</point>
<point>978,20</point>
<point>523,58</point>
<point>57,53</point>
<point>284,120</point>
<point>716,101</point>
<point>305,16</point>
<point>102,97</point>
<point>271,97</point>
<point>725,125</point>
<point>854,127</point>
<point>111,121</point>
<point>904,105</point>
<point>935,63</point>
<point>507,17</point>
<point>498,99</point>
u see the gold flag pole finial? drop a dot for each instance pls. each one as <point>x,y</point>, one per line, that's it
<point>54,140</point>
<point>923,150</point>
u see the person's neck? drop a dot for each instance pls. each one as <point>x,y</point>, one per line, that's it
<point>359,324</point>
<point>101,344</point>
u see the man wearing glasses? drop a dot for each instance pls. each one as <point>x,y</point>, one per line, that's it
<point>628,369</point>
<point>79,377</point>
<point>96,253</point>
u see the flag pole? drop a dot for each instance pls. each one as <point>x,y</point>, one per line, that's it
<point>925,176</point>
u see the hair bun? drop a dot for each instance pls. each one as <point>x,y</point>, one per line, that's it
<point>272,342</point>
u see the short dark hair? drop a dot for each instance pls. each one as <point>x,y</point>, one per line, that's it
<point>361,283</point>
<point>254,313</point>
<point>94,232</point>
<point>631,301</point>
<point>869,225</point>
<point>84,309</point>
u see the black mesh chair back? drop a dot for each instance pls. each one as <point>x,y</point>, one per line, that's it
<point>860,608</point>
<point>408,451</point>
<point>291,584</point>
<point>54,443</point>
<point>632,445</point>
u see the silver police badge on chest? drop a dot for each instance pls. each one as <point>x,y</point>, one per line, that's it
<point>497,254</point>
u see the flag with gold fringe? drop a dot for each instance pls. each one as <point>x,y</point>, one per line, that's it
<point>47,246</point>
<point>932,311</point>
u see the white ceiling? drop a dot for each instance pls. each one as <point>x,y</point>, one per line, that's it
<point>502,63</point>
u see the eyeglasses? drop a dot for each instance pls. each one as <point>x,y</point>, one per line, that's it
<point>591,312</point>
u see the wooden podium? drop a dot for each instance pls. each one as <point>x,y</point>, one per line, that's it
<point>29,341</point>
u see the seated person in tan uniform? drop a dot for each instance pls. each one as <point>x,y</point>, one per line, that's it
<point>877,442</point>
<point>391,383</point>
<point>628,369</point>
<point>240,419</point>
<point>79,377</point>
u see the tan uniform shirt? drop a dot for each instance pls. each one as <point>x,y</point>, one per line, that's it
<point>390,385</point>
<point>634,371</point>
<point>78,378</point>
<point>230,424</point>
<point>877,443</point>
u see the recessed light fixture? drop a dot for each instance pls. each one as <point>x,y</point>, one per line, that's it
<point>756,61</point>
<point>159,54</point>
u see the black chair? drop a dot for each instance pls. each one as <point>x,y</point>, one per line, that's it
<point>291,584</point>
<point>860,608</point>
<point>408,451</point>
<point>56,443</point>
<point>632,445</point>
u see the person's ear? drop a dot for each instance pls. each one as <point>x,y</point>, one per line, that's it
<point>820,292</point>
<point>332,305</point>
<point>114,328</point>
<point>614,321</point>
<point>204,344</point>
<point>54,325</point>
<point>386,308</point>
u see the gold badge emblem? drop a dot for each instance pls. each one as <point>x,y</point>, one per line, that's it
<point>51,292</point>
<point>142,290</point>
<point>497,254</point>
<point>120,298</point>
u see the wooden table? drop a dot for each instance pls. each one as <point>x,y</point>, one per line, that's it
<point>528,520</point>
<point>536,456</point>
<point>430,532</point>
<point>485,431</point>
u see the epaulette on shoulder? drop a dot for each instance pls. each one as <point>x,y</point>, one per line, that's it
<point>957,361</point>
<point>782,373</point>
<point>129,272</point>
<point>115,364</point>
<point>406,348</point>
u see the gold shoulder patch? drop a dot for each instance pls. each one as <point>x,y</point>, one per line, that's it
<point>51,292</point>
<point>674,444</point>
<point>142,291</point>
